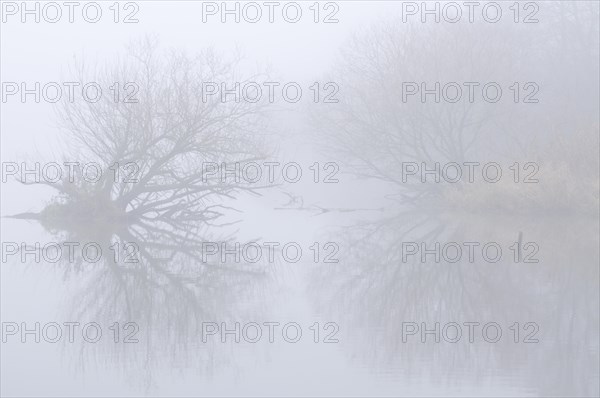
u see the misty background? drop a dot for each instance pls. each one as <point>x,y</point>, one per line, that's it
<point>368,133</point>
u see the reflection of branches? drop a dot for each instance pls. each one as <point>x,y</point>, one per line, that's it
<point>167,289</point>
<point>373,291</point>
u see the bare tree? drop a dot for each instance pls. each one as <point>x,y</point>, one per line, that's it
<point>152,145</point>
<point>376,126</point>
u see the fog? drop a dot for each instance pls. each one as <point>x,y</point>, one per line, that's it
<point>345,198</point>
